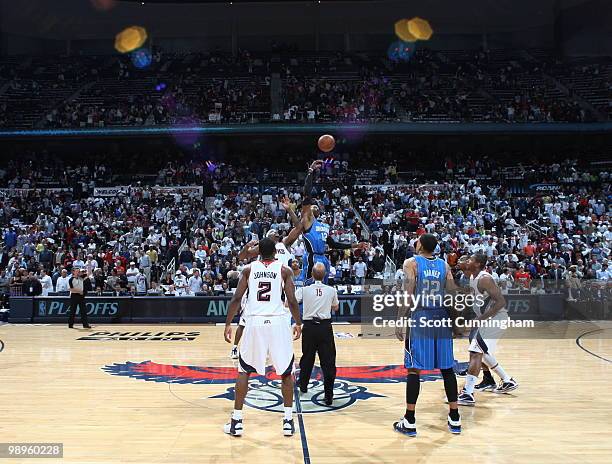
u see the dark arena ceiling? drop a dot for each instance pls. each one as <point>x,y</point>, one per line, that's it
<point>170,2</point>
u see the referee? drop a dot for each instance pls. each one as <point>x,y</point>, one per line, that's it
<point>79,286</point>
<point>319,300</point>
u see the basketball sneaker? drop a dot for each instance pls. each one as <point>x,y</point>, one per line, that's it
<point>454,426</point>
<point>405,427</point>
<point>234,353</point>
<point>486,384</point>
<point>462,373</point>
<point>288,427</point>
<point>466,399</point>
<point>506,387</point>
<point>234,427</point>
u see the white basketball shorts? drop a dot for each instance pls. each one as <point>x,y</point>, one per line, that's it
<point>484,339</point>
<point>263,336</point>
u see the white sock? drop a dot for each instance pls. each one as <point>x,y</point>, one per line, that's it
<point>237,414</point>
<point>288,412</point>
<point>470,381</point>
<point>501,373</point>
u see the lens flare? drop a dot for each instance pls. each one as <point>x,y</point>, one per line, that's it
<point>401,51</point>
<point>402,31</point>
<point>141,58</point>
<point>103,5</point>
<point>130,39</point>
<point>420,28</point>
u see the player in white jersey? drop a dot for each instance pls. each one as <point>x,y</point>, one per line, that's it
<point>282,254</point>
<point>490,305</point>
<point>266,331</point>
<point>251,250</point>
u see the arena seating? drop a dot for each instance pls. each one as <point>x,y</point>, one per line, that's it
<point>441,86</point>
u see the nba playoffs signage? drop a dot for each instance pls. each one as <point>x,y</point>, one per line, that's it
<point>98,309</point>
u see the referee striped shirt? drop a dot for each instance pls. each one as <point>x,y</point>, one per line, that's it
<point>318,300</point>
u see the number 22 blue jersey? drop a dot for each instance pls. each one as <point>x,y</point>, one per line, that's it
<point>430,282</point>
<point>429,347</point>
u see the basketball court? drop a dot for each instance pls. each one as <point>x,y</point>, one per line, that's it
<point>142,398</point>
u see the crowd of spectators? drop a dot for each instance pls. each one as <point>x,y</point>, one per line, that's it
<point>338,100</point>
<point>180,242</point>
<point>539,242</point>
<point>132,111</point>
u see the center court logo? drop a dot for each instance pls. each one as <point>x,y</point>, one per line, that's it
<point>264,390</point>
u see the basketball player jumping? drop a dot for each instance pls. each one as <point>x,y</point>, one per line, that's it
<point>266,331</point>
<point>428,342</point>
<point>316,233</point>
<point>484,340</point>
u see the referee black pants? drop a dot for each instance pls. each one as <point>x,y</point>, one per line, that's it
<point>77,301</point>
<point>318,337</point>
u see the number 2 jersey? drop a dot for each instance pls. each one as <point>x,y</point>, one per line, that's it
<point>265,290</point>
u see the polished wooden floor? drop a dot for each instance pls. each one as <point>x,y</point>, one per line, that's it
<point>55,388</point>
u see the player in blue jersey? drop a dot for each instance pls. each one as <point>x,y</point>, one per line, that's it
<point>316,233</point>
<point>429,338</point>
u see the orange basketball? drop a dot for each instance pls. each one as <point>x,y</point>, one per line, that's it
<point>326,143</point>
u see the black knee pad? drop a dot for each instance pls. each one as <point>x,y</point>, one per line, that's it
<point>450,384</point>
<point>413,386</point>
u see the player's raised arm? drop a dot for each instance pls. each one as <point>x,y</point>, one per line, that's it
<point>234,305</point>
<point>488,285</point>
<point>289,289</point>
<point>249,251</point>
<point>307,216</point>
<point>293,235</point>
<point>295,221</point>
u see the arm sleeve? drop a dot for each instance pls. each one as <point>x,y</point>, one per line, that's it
<point>337,245</point>
<point>308,188</point>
